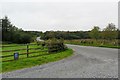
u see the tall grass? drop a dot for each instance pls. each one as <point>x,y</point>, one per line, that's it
<point>98,43</point>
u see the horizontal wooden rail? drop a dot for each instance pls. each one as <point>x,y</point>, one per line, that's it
<point>24,57</point>
<point>34,48</point>
<point>14,50</point>
<point>16,45</point>
<point>6,56</point>
<point>24,53</point>
<point>21,49</point>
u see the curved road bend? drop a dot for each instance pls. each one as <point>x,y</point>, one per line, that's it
<point>87,62</point>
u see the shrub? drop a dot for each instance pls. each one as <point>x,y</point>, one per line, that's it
<point>55,45</point>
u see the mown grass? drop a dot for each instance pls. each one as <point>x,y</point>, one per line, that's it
<point>95,43</point>
<point>33,59</point>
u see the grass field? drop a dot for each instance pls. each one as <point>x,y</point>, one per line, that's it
<point>18,46</point>
<point>33,59</point>
<point>95,43</point>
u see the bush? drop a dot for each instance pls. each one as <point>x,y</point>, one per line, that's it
<point>55,45</point>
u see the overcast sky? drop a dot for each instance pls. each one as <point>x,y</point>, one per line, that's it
<point>63,16</point>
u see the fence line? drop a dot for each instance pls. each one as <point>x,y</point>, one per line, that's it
<point>24,57</point>
<point>16,45</point>
<point>23,53</point>
<point>26,53</point>
<point>50,49</point>
<point>21,49</point>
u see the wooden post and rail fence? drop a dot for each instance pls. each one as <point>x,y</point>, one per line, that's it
<point>15,55</point>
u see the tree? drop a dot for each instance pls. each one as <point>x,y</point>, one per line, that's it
<point>94,33</point>
<point>12,34</point>
<point>5,28</point>
<point>110,32</point>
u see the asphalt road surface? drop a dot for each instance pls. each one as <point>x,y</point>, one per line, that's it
<point>86,62</point>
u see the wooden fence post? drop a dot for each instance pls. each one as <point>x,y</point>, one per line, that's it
<point>27,50</point>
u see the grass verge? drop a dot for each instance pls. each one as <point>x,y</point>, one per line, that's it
<point>33,61</point>
<point>77,42</point>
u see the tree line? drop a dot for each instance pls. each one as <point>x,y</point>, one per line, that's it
<point>11,33</point>
<point>110,32</point>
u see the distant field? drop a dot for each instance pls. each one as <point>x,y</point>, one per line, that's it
<point>38,58</point>
<point>96,43</point>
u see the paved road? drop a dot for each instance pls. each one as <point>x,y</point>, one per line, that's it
<point>87,62</point>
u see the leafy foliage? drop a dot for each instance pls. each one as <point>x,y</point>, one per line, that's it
<point>12,34</point>
<point>65,35</point>
<point>95,32</point>
<point>110,32</point>
<point>55,45</point>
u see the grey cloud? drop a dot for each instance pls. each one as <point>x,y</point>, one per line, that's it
<point>61,15</point>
